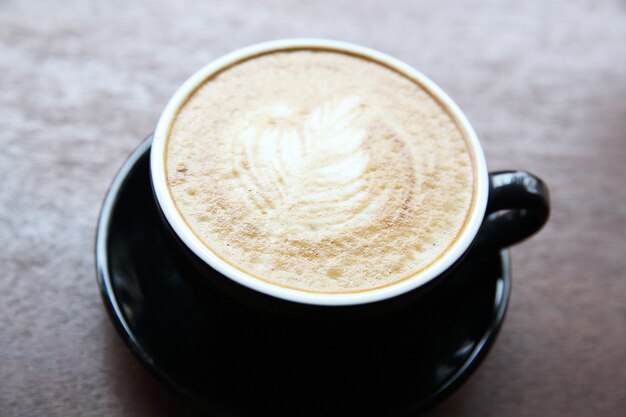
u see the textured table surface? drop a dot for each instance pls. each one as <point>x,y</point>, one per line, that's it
<point>544,83</point>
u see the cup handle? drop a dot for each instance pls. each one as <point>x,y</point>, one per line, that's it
<point>518,207</point>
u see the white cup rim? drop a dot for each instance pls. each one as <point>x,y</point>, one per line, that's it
<point>178,224</point>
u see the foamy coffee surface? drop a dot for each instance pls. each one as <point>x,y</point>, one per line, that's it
<point>320,171</point>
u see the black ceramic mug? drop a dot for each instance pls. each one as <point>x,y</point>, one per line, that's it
<point>507,207</point>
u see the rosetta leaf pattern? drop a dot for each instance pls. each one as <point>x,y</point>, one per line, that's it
<point>310,172</point>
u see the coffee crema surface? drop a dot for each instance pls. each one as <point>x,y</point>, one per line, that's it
<point>320,170</point>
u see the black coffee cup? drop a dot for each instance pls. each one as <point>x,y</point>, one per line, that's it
<point>508,207</point>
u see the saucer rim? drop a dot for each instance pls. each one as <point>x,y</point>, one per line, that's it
<point>124,329</point>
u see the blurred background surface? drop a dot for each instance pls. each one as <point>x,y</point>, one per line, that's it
<point>543,82</point>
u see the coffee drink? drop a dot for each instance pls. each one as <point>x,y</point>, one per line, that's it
<point>320,170</point>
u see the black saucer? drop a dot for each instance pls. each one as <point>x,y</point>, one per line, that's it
<point>232,361</point>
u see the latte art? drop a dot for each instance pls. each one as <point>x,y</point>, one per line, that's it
<point>307,171</point>
<point>320,171</point>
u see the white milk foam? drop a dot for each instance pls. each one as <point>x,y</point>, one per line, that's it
<point>320,171</point>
